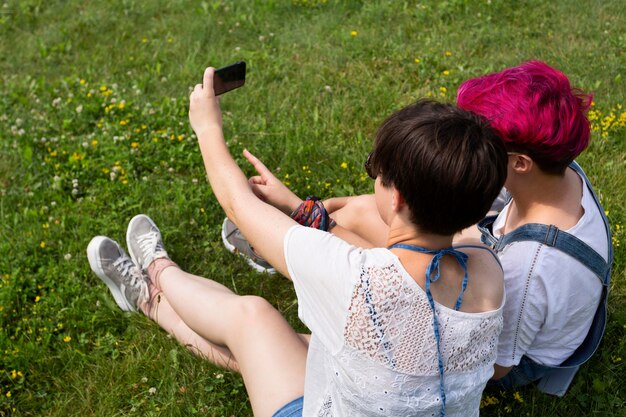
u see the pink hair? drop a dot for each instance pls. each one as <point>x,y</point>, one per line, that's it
<point>533,109</point>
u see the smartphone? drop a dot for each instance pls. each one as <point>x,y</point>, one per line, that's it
<point>229,77</point>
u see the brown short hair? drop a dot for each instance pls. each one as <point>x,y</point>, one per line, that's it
<point>446,162</point>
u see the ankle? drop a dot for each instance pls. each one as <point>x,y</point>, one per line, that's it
<point>156,268</point>
<point>150,307</point>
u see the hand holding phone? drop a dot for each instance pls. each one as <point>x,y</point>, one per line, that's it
<point>229,77</point>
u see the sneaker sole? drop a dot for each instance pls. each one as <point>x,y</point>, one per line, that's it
<point>128,245</point>
<point>92,255</point>
<point>231,248</point>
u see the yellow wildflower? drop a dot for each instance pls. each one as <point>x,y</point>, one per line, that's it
<point>344,165</point>
<point>82,82</point>
<point>77,156</point>
<point>446,72</point>
<point>37,299</point>
<point>354,33</point>
<point>67,339</point>
<point>417,60</point>
<point>134,145</point>
<point>42,244</point>
<point>517,397</point>
<point>448,53</point>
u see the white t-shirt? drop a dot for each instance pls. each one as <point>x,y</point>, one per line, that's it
<point>551,298</point>
<point>372,350</point>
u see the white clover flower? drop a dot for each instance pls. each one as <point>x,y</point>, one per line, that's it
<point>144,380</point>
<point>67,256</point>
<point>79,109</point>
<point>56,102</point>
<point>152,390</point>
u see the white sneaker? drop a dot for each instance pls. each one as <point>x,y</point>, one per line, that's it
<point>237,243</point>
<point>144,241</point>
<point>123,277</point>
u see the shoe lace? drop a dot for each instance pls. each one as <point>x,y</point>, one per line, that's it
<point>129,270</point>
<point>150,242</point>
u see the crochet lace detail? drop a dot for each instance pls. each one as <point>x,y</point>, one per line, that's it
<point>390,322</point>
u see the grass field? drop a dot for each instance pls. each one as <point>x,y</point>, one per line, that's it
<point>94,129</point>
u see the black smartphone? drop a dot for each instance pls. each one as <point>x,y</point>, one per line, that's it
<point>229,77</point>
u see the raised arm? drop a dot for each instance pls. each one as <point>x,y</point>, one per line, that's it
<point>263,225</point>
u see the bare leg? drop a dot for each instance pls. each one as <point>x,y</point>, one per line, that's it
<point>359,215</point>
<point>159,309</point>
<point>161,312</point>
<point>269,354</point>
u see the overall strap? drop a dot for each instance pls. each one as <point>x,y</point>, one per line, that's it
<point>565,242</point>
<point>607,227</point>
<point>433,272</point>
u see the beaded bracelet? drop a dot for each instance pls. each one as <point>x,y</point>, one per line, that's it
<point>311,213</point>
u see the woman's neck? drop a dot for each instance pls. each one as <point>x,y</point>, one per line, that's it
<point>546,199</point>
<point>409,235</point>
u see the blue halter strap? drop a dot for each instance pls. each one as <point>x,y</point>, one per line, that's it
<point>433,272</point>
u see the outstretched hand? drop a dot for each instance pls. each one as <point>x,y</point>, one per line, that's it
<point>269,188</point>
<point>204,107</point>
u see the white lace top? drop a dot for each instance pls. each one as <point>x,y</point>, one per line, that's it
<point>373,349</point>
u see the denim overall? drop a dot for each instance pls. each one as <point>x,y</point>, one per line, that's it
<point>556,379</point>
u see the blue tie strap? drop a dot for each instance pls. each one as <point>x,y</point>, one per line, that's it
<point>433,272</point>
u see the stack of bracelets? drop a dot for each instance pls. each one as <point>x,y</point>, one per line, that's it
<point>311,213</point>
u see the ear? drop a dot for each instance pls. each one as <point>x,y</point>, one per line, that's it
<point>520,163</point>
<point>397,200</point>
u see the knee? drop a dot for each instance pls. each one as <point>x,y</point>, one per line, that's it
<point>355,210</point>
<point>254,310</point>
<point>363,204</point>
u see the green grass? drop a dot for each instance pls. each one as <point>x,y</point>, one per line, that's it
<point>93,129</point>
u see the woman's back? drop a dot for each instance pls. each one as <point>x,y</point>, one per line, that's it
<point>373,350</point>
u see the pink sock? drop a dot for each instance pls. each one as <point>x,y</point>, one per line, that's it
<point>157,267</point>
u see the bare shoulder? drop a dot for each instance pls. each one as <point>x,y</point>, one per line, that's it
<point>485,287</point>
